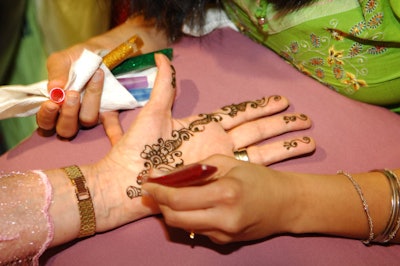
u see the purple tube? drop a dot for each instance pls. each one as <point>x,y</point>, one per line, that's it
<point>134,82</point>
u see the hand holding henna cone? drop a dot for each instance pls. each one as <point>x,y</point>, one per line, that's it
<point>129,48</point>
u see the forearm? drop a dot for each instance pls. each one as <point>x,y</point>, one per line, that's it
<point>330,204</point>
<point>24,222</point>
<point>40,209</point>
<point>153,38</point>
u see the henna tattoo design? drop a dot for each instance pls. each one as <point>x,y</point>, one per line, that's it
<point>293,118</point>
<point>294,143</point>
<point>173,81</point>
<point>165,154</point>
<point>133,192</point>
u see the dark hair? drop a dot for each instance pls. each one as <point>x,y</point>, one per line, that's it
<point>170,15</point>
<point>286,6</point>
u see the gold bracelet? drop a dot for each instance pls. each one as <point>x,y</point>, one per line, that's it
<point>86,209</point>
<point>393,223</point>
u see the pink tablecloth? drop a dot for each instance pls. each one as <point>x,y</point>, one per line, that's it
<point>221,69</point>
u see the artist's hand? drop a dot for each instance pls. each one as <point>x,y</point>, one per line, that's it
<point>246,202</point>
<point>66,119</point>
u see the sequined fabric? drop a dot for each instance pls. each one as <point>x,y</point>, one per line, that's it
<point>25,226</point>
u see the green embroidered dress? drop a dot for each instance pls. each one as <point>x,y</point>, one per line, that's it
<point>352,46</point>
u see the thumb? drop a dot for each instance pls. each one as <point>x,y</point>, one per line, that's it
<point>163,93</point>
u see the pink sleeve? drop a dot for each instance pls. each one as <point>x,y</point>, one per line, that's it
<point>25,226</point>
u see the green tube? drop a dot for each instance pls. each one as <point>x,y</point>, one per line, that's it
<point>140,62</point>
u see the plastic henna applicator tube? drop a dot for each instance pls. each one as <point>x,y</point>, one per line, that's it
<point>125,50</point>
<point>140,62</point>
<point>190,175</point>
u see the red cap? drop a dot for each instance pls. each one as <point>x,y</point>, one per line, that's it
<point>57,95</point>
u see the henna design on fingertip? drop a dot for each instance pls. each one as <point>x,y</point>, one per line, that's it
<point>165,154</point>
<point>294,143</point>
<point>133,192</point>
<point>293,118</point>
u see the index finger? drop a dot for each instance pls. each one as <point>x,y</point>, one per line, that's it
<point>198,208</point>
<point>180,199</point>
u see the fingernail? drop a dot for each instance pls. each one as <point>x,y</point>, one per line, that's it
<point>145,193</point>
<point>51,108</point>
<point>97,76</point>
<point>72,98</point>
<point>157,58</point>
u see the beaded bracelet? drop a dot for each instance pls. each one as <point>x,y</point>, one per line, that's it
<point>365,206</point>
<point>393,223</point>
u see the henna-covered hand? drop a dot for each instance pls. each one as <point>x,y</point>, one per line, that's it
<point>156,140</point>
<point>161,142</point>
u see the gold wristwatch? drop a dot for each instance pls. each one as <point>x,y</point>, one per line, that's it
<point>86,209</point>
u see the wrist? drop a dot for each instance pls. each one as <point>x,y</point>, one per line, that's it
<point>309,204</point>
<point>104,195</point>
<point>84,200</point>
<point>292,203</point>
<point>65,210</point>
<point>330,204</point>
<point>153,38</point>
<point>107,184</point>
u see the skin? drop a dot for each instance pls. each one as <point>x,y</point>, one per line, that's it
<point>249,201</point>
<point>66,119</point>
<point>108,179</point>
<point>311,203</point>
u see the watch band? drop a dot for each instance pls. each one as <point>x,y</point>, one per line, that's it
<point>86,209</point>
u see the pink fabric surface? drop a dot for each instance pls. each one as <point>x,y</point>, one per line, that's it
<point>223,68</point>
